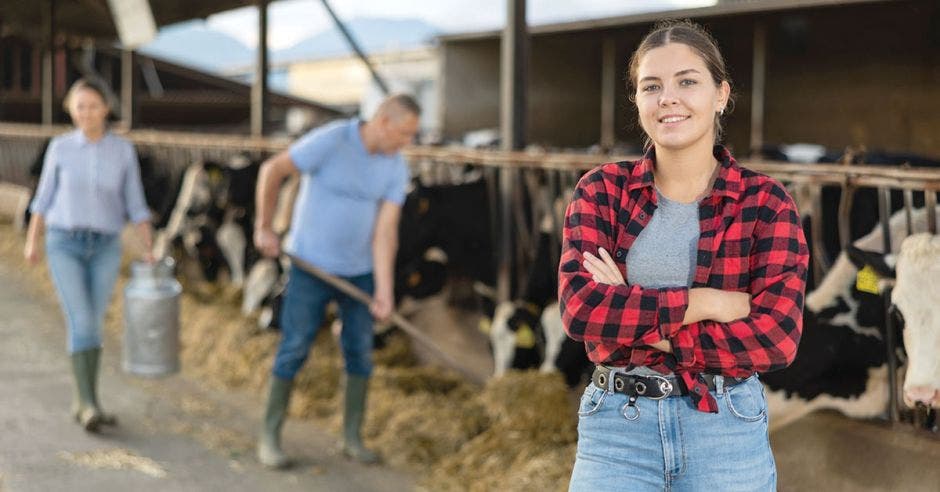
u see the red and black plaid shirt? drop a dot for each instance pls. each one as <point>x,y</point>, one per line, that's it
<point>750,241</point>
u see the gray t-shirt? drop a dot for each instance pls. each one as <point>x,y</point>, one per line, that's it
<point>664,253</point>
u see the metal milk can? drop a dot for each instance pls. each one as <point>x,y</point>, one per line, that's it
<point>151,319</point>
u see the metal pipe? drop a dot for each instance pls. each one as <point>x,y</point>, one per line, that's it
<point>884,213</point>
<point>355,47</point>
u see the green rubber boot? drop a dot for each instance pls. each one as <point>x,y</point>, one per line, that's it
<point>356,389</point>
<point>269,444</point>
<point>95,361</point>
<point>85,408</point>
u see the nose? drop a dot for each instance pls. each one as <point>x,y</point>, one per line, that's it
<point>923,394</point>
<point>667,97</point>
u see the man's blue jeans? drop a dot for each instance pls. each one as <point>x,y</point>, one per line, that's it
<point>669,445</point>
<point>302,313</point>
<point>84,266</point>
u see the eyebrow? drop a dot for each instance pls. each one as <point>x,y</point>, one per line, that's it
<point>678,74</point>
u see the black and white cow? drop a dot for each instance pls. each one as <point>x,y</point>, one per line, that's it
<point>528,333</point>
<point>842,359</point>
<point>915,294</point>
<point>212,218</point>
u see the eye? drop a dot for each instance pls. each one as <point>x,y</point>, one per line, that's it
<point>649,88</point>
<point>687,82</point>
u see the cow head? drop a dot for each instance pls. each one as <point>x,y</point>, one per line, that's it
<point>915,295</point>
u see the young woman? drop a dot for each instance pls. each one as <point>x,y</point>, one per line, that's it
<point>89,188</point>
<point>683,273</point>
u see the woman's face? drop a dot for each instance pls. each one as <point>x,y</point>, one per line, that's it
<point>88,110</point>
<point>676,97</point>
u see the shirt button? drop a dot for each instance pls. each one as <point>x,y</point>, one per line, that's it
<point>642,215</point>
<point>619,253</point>
<point>698,391</point>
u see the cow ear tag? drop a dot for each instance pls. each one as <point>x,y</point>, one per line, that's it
<point>867,280</point>
<point>525,337</point>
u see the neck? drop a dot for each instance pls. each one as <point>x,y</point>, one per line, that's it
<point>93,134</point>
<point>369,140</point>
<point>685,175</point>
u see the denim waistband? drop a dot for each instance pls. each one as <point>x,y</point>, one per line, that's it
<point>84,234</point>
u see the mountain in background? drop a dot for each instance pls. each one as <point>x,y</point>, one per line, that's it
<point>193,44</point>
<point>372,34</point>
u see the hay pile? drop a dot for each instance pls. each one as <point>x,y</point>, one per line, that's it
<point>515,433</point>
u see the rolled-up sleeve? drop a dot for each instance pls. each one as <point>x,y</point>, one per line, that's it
<point>48,181</point>
<point>134,198</point>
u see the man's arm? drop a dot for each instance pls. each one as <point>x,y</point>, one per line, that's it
<point>384,249</point>
<point>273,172</point>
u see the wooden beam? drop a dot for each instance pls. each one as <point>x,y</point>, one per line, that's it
<point>758,85</point>
<point>128,89</point>
<point>513,68</point>
<point>608,92</point>
<point>259,88</point>
<point>48,52</point>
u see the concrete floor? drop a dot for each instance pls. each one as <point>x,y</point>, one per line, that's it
<point>175,434</point>
<point>825,451</point>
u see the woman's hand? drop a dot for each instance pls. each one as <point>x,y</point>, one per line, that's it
<point>603,268</point>
<point>31,253</point>
<point>722,306</point>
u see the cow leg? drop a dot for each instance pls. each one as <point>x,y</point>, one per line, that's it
<point>502,339</point>
<point>232,242</point>
<point>554,336</point>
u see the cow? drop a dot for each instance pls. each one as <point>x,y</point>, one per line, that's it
<point>528,333</point>
<point>915,294</point>
<point>863,210</point>
<point>842,359</point>
<point>212,218</point>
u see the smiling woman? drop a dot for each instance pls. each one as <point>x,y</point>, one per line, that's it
<point>683,274</point>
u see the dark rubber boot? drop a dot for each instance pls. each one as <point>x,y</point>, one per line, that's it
<point>356,389</point>
<point>269,444</point>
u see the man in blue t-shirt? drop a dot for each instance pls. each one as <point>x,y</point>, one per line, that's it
<point>345,222</point>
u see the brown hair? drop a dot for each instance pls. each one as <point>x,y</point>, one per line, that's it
<point>91,85</point>
<point>695,37</point>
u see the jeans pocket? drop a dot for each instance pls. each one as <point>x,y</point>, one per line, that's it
<point>746,400</point>
<point>591,401</point>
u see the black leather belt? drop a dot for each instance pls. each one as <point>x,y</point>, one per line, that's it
<point>653,386</point>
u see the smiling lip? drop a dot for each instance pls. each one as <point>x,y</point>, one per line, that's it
<point>673,118</point>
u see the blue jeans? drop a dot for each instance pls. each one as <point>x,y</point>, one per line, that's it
<point>84,266</point>
<point>671,446</point>
<point>305,300</point>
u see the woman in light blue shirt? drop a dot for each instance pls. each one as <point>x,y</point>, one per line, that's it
<point>89,188</point>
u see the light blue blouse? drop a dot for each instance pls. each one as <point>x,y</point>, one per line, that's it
<point>90,185</point>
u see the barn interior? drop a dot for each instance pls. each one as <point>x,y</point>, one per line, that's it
<point>805,71</point>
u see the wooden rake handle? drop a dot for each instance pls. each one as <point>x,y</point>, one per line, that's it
<point>399,320</point>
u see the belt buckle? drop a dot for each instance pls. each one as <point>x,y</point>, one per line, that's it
<point>665,387</point>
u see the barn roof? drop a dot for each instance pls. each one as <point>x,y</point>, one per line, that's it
<point>92,18</point>
<point>722,8</point>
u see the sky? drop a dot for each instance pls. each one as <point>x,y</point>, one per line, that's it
<point>289,21</point>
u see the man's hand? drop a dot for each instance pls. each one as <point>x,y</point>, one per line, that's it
<point>603,268</point>
<point>267,242</point>
<point>382,304</point>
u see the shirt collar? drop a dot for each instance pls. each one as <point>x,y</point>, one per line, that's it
<point>727,183</point>
<point>82,140</point>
